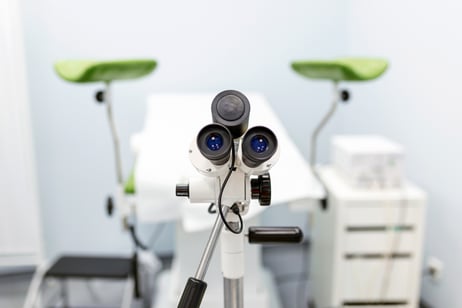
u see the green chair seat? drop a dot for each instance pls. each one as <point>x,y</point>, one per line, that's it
<point>94,71</point>
<point>342,69</point>
<point>129,187</point>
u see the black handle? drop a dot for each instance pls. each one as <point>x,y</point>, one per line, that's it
<point>275,235</point>
<point>192,293</point>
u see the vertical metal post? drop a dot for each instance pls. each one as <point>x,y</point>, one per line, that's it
<point>324,120</point>
<point>234,292</point>
<point>232,266</point>
<point>115,136</point>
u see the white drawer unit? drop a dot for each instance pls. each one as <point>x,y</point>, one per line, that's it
<point>367,245</point>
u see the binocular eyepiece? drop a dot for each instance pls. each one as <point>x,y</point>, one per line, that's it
<point>258,145</point>
<point>230,112</point>
<point>214,142</point>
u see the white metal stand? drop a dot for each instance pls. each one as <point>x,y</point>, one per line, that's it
<point>259,289</point>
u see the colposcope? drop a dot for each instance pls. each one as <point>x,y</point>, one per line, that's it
<point>234,162</point>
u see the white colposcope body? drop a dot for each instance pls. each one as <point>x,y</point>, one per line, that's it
<point>227,154</point>
<point>157,203</point>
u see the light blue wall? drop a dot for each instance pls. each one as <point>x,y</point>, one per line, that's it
<point>419,104</point>
<point>210,45</point>
<point>202,45</point>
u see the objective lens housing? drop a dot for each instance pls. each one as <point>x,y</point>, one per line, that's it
<point>214,142</point>
<point>231,108</point>
<point>258,145</point>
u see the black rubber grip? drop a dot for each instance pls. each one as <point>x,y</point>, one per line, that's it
<point>192,293</point>
<point>275,235</point>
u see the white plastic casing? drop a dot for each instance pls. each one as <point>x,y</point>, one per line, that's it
<point>368,161</point>
<point>203,165</point>
<point>232,252</point>
<point>206,190</point>
<point>203,189</point>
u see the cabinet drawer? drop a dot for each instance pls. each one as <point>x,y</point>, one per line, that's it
<point>379,242</point>
<point>362,279</point>
<point>382,216</point>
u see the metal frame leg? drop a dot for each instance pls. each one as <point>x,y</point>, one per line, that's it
<point>64,294</point>
<point>128,293</point>
<point>34,292</point>
<point>114,134</point>
<point>320,126</point>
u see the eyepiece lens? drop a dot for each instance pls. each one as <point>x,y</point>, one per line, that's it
<point>214,142</point>
<point>259,144</point>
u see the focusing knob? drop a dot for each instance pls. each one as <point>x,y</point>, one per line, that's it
<point>99,96</point>
<point>261,189</point>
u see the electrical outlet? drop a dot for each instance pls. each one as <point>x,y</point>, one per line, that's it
<point>435,268</point>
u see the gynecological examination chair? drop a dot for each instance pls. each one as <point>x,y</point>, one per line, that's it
<point>126,269</point>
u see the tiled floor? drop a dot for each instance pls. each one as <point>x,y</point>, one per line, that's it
<point>13,288</point>
<point>284,261</point>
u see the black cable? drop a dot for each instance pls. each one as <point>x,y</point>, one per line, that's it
<point>135,238</point>
<point>220,195</point>
<point>235,209</point>
<point>210,209</point>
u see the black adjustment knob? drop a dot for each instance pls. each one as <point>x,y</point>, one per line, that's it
<point>261,189</point>
<point>345,95</point>
<point>99,96</point>
<point>182,190</point>
<point>275,235</point>
<point>109,206</point>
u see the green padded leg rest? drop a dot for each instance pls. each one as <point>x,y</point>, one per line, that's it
<point>81,71</point>
<point>129,187</point>
<point>342,69</point>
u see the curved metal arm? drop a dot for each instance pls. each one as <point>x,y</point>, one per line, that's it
<point>196,286</point>
<point>115,136</point>
<point>325,119</point>
<point>210,247</point>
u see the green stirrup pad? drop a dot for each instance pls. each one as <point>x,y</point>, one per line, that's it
<point>129,188</point>
<point>342,69</point>
<point>93,71</point>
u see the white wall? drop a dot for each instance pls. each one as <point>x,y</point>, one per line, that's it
<point>20,234</point>
<point>418,103</point>
<point>202,45</point>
